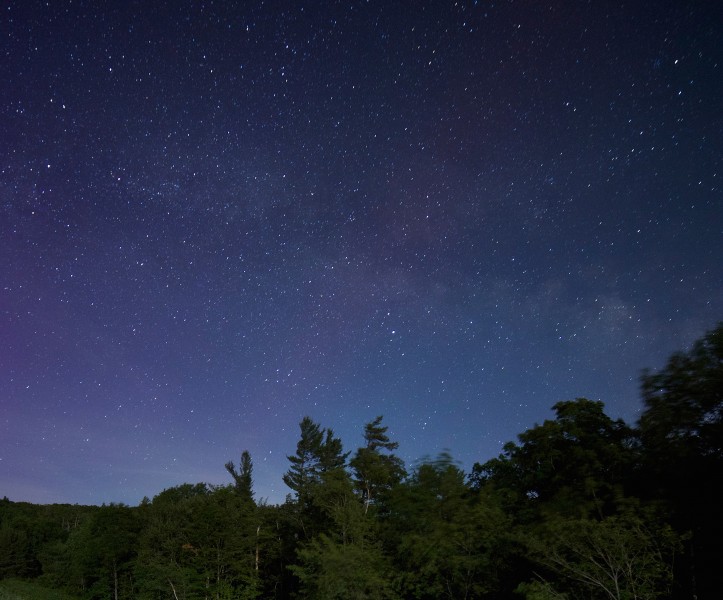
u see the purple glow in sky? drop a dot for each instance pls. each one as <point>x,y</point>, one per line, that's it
<point>218,217</point>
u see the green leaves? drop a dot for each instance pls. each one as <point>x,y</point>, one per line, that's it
<point>681,435</point>
<point>375,473</point>
<point>243,479</point>
<point>622,557</point>
<point>574,464</point>
<point>330,570</point>
<point>448,540</point>
<point>340,556</point>
<point>317,452</point>
<point>581,506</point>
<point>198,541</point>
<point>684,402</point>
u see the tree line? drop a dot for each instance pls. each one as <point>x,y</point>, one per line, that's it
<point>580,506</point>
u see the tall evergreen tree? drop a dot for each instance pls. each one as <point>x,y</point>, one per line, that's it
<point>243,479</point>
<point>305,464</point>
<point>317,452</point>
<point>343,559</point>
<point>375,472</point>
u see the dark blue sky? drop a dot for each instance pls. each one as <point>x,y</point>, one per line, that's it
<point>217,217</point>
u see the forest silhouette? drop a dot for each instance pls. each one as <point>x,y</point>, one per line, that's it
<point>580,506</point>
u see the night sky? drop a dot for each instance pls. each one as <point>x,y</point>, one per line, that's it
<point>218,217</point>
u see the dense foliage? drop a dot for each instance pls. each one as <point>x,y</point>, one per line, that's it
<point>581,506</point>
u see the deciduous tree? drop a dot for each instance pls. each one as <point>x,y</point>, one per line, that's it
<point>681,431</point>
<point>622,557</point>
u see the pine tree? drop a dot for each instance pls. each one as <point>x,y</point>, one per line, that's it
<point>243,480</point>
<point>375,472</point>
<point>304,469</point>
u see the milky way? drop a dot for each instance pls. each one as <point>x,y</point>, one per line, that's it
<point>218,217</point>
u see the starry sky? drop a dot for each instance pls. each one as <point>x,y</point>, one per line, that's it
<point>219,217</point>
